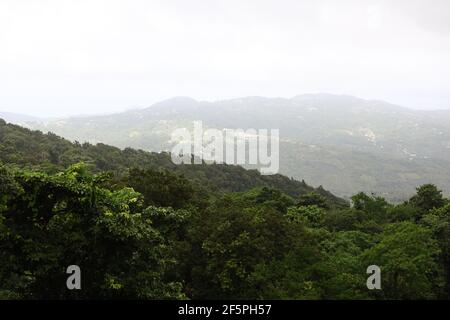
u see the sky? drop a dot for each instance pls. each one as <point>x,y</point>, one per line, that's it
<point>61,57</point>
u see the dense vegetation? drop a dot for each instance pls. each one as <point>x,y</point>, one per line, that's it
<point>50,153</point>
<point>140,228</point>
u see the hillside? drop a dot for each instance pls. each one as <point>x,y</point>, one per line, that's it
<point>33,149</point>
<point>344,143</point>
<point>144,234</point>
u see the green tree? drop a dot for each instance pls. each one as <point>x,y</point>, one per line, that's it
<point>49,222</point>
<point>310,215</point>
<point>312,199</point>
<point>375,206</point>
<point>341,273</point>
<point>229,240</point>
<point>428,197</point>
<point>407,256</point>
<point>439,221</point>
<point>161,188</point>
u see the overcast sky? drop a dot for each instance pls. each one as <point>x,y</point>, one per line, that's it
<point>60,57</point>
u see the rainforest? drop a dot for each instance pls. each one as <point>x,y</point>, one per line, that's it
<point>140,227</point>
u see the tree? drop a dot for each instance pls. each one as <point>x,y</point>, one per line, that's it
<point>229,240</point>
<point>439,221</point>
<point>312,199</point>
<point>161,188</point>
<point>428,197</point>
<point>311,215</point>
<point>341,273</point>
<point>373,205</point>
<point>407,256</point>
<point>49,222</point>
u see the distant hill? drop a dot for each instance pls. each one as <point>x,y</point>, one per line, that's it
<point>17,118</point>
<point>344,143</point>
<point>32,149</point>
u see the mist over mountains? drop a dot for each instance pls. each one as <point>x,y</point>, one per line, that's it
<point>343,143</point>
<point>17,118</point>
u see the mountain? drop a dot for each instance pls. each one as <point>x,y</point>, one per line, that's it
<point>344,143</point>
<point>17,118</point>
<point>48,152</point>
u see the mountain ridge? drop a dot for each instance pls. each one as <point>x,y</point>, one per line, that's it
<point>361,145</point>
<point>33,149</point>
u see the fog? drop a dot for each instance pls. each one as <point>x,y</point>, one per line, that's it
<point>60,57</point>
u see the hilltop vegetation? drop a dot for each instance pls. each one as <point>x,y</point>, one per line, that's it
<point>50,153</point>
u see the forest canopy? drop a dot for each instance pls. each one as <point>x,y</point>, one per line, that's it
<point>142,228</point>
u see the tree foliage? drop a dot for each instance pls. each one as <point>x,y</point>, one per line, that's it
<point>140,227</point>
